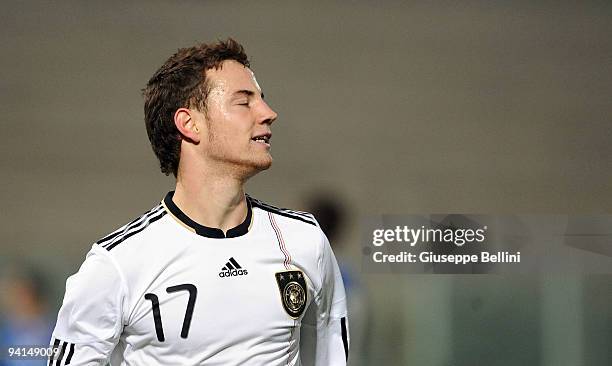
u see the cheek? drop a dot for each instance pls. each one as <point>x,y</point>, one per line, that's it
<point>237,122</point>
<point>227,135</point>
<point>230,125</point>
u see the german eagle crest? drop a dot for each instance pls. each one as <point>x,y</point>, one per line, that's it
<point>293,292</point>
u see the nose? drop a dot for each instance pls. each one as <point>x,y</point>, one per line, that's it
<point>268,116</point>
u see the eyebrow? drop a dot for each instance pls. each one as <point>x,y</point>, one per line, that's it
<point>248,93</point>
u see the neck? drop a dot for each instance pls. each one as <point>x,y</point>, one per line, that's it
<point>213,201</point>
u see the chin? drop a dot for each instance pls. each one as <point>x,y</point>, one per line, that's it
<point>262,162</point>
<point>264,165</point>
<point>253,167</point>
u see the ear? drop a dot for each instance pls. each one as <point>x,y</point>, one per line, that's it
<point>185,121</point>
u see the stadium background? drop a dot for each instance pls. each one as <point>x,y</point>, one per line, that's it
<point>390,107</point>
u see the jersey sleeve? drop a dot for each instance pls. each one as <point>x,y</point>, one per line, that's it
<point>89,321</point>
<point>324,336</point>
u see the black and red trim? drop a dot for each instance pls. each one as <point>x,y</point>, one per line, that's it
<point>281,241</point>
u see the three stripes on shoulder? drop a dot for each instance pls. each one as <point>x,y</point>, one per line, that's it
<point>115,238</point>
<point>298,215</point>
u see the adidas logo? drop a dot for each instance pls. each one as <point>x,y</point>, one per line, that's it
<point>232,268</point>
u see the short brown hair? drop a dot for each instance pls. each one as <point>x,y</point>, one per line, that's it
<point>181,83</point>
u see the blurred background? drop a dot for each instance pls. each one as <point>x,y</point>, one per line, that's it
<point>384,107</point>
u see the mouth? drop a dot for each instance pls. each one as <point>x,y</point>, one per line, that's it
<point>263,139</point>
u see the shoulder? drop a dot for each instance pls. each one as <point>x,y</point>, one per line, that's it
<point>134,229</point>
<point>298,229</point>
<point>93,300</point>
<point>298,216</point>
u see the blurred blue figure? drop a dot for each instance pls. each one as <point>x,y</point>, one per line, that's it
<point>24,318</point>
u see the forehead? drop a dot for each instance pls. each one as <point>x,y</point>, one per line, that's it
<point>232,76</point>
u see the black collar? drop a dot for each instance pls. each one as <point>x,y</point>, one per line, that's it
<point>209,232</point>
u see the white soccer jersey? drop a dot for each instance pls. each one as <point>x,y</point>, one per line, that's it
<point>164,290</point>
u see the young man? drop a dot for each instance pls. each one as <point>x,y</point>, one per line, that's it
<point>210,276</point>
